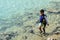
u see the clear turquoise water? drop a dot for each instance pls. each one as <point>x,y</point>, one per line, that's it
<point>11,7</point>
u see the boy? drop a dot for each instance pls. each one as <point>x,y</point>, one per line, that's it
<point>43,21</point>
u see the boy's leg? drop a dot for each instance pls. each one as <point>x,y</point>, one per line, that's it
<point>40,29</point>
<point>44,28</point>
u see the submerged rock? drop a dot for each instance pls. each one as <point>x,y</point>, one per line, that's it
<point>54,37</point>
<point>7,36</point>
<point>31,31</point>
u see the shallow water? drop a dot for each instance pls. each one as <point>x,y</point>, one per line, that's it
<point>10,10</point>
<point>16,26</point>
<point>11,7</point>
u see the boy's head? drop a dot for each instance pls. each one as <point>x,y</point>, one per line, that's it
<point>41,11</point>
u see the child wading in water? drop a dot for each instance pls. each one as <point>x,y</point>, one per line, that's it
<point>43,22</point>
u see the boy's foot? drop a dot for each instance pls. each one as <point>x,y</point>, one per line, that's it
<point>44,33</point>
<point>40,31</point>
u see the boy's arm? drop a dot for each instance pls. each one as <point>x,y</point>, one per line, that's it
<point>47,20</point>
<point>40,19</point>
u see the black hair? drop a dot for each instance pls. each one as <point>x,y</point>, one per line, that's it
<point>41,10</point>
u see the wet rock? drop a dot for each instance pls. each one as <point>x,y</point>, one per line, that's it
<point>58,22</point>
<point>31,14</point>
<point>29,17</point>
<point>54,7</point>
<point>31,31</point>
<point>38,21</point>
<point>1,39</point>
<point>37,14</point>
<point>20,24</point>
<point>57,33</point>
<point>25,37</point>
<point>51,39</point>
<point>28,26</point>
<point>27,14</point>
<point>7,36</point>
